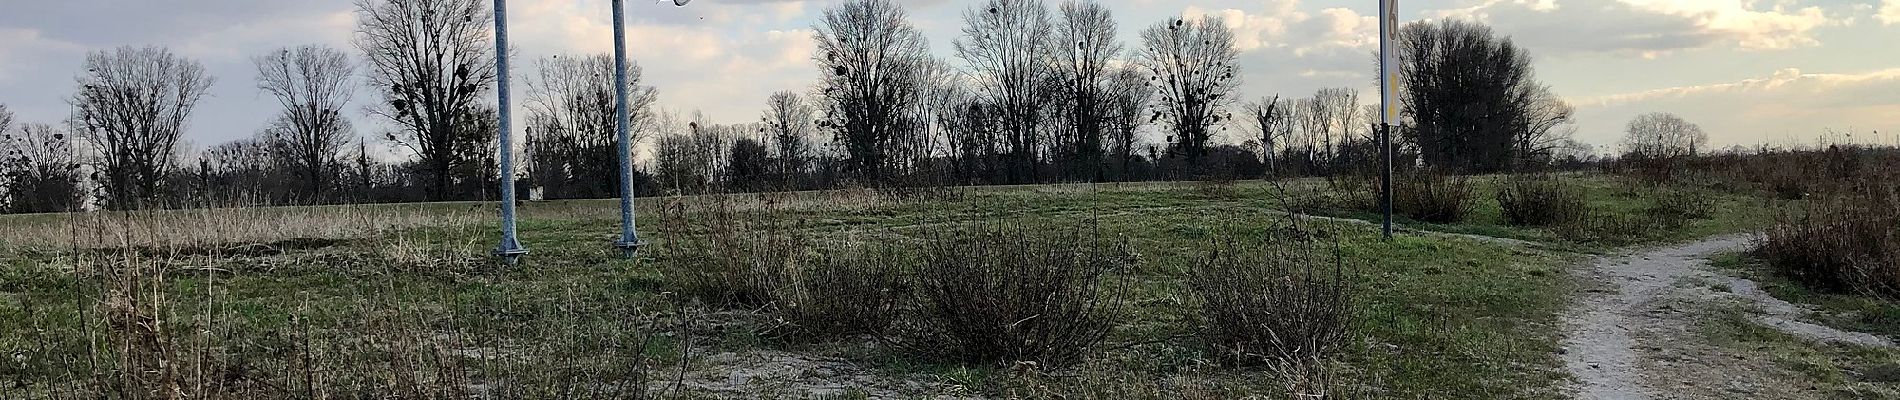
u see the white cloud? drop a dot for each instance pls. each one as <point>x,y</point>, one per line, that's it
<point>22,49</point>
<point>1651,28</point>
<point>721,59</point>
<point>1283,24</point>
<point>1788,104</point>
<point>1889,12</point>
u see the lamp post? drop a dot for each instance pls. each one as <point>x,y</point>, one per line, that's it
<point>629,242</point>
<point>510,248</point>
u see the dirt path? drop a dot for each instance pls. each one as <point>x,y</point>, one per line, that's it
<point>1629,334</point>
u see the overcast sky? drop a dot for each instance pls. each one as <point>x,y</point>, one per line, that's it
<point>1748,71</point>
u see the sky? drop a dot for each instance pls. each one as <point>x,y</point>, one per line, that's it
<point>1748,71</point>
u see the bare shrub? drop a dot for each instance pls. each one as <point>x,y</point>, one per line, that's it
<point>1003,292</point>
<point>1601,228</point>
<point>1675,207</point>
<point>712,253</point>
<point>1540,200</point>
<point>842,290</point>
<point>1433,196</point>
<point>1840,244</point>
<point>1285,302</point>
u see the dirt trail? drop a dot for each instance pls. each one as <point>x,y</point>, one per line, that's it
<point>1635,310</point>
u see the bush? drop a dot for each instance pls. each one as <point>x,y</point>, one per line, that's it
<point>814,291</point>
<point>1675,207</point>
<point>1843,244</point>
<point>1540,200</point>
<point>1602,228</point>
<point>842,290</point>
<point>1283,303</point>
<point>997,293</point>
<point>1431,196</point>
<point>711,254</point>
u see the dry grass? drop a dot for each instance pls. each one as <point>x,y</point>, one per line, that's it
<point>202,228</point>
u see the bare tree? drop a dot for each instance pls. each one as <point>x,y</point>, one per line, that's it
<point>313,83</point>
<point>1130,92</point>
<point>1193,63</point>
<point>871,57</point>
<point>432,61</point>
<point>1005,45</point>
<point>1273,121</point>
<point>1663,136</point>
<point>788,123</point>
<point>133,103</point>
<point>1546,126</point>
<point>572,143</point>
<point>241,172</point>
<point>39,168</point>
<point>1334,113</point>
<point>1085,45</point>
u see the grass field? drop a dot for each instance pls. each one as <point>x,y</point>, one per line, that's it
<point>343,301</point>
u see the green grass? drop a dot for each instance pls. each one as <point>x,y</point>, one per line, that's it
<point>1836,371</point>
<point>1846,311</point>
<point>1438,316</point>
<point>1605,195</point>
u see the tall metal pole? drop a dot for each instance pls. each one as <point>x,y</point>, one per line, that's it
<point>1388,98</point>
<point>510,247</point>
<point>629,242</point>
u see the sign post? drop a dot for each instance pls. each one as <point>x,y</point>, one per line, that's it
<point>1389,101</point>
<point>629,242</point>
<point>510,247</point>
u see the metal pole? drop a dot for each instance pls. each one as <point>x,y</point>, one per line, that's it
<point>510,247</point>
<point>629,243</point>
<point>1388,99</point>
<point>1385,146</point>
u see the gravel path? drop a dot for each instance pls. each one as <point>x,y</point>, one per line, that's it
<point>1633,298</point>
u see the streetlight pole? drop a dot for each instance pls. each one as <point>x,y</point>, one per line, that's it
<point>510,248</point>
<point>629,243</point>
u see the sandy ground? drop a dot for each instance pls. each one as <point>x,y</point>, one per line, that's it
<point>1630,333</point>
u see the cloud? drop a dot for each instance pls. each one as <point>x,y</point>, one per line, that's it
<point>1284,25</point>
<point>21,50</point>
<point>1650,28</point>
<point>723,59</point>
<point>1889,12</point>
<point>1788,104</point>
<point>1288,50</point>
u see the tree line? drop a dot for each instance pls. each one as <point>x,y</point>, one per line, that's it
<point>1033,93</point>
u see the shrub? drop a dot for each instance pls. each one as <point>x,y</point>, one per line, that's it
<point>1601,228</point>
<point>842,290</point>
<point>1431,196</point>
<point>1675,207</point>
<point>1285,303</point>
<point>1842,244</point>
<point>1540,200</point>
<point>997,293</point>
<point>765,263</point>
<point>709,253</point>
